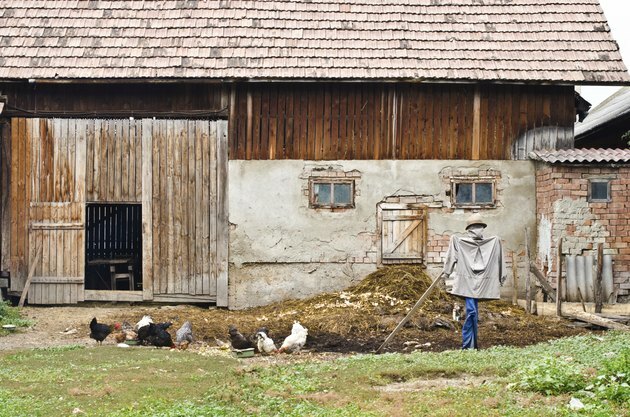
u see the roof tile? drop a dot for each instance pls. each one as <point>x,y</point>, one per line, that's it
<point>582,155</point>
<point>290,39</point>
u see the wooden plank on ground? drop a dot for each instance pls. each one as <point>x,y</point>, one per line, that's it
<point>597,320</point>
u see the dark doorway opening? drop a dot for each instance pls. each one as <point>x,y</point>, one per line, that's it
<point>113,247</point>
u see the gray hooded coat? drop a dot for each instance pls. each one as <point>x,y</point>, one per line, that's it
<point>476,265</point>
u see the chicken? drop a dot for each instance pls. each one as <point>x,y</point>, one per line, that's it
<point>265,343</point>
<point>184,334</point>
<point>254,337</point>
<point>99,331</point>
<point>457,312</point>
<point>119,337</point>
<point>155,335</point>
<point>144,321</point>
<point>130,333</point>
<point>296,340</point>
<point>238,340</point>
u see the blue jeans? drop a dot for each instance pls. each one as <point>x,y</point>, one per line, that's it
<point>469,329</point>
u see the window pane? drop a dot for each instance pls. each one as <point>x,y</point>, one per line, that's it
<point>463,193</point>
<point>322,193</point>
<point>599,190</point>
<point>483,192</point>
<point>342,195</point>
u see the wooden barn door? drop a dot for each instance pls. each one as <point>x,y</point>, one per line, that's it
<point>403,233</point>
<point>184,210</point>
<point>47,202</point>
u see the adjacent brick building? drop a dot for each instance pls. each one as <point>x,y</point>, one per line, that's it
<point>583,197</point>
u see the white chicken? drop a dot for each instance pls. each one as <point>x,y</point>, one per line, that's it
<point>265,343</point>
<point>296,340</point>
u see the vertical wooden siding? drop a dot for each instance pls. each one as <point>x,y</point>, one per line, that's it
<point>182,163</point>
<point>49,194</point>
<point>114,161</point>
<point>187,233</point>
<point>326,121</point>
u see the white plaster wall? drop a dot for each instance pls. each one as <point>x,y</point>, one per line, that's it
<point>280,248</point>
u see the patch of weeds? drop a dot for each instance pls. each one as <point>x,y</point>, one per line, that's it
<point>11,315</point>
<point>613,381</point>
<point>552,376</point>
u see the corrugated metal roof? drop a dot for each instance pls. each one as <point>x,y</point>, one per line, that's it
<point>516,40</point>
<point>615,106</point>
<point>582,155</point>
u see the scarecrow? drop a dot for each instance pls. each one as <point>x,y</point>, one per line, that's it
<point>478,270</point>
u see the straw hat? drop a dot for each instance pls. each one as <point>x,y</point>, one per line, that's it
<point>475,218</point>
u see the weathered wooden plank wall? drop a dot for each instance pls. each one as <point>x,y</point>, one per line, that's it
<point>119,100</point>
<point>54,195</point>
<point>327,121</point>
<point>186,227</point>
<point>114,161</point>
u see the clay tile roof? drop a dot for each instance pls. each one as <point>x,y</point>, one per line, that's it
<point>561,41</point>
<point>582,155</point>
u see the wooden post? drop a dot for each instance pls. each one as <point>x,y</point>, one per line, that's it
<point>528,290</point>
<point>559,281</point>
<point>416,306</point>
<point>514,281</point>
<point>476,127</point>
<point>598,290</point>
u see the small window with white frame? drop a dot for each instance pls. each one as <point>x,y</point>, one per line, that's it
<point>331,193</point>
<point>599,190</point>
<point>477,192</point>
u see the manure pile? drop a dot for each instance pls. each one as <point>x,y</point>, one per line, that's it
<point>359,318</point>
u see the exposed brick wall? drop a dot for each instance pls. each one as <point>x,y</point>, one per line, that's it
<point>563,210</point>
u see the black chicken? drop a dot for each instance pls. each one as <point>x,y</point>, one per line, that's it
<point>99,331</point>
<point>155,335</point>
<point>238,340</point>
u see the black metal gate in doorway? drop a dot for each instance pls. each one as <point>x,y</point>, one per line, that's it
<point>113,247</point>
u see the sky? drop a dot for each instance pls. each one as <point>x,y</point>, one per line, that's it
<point>618,14</point>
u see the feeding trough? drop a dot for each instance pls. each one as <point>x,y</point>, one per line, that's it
<point>243,353</point>
<point>9,327</point>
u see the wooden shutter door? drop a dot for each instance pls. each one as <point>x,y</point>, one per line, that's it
<point>403,233</point>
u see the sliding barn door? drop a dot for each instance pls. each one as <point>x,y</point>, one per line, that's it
<point>184,209</point>
<point>48,194</point>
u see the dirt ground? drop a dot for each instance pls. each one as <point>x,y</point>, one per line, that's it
<point>355,320</point>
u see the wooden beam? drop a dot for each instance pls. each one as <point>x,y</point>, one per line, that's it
<point>597,285</point>
<point>416,306</point>
<point>223,231</point>
<point>476,132</point>
<point>31,271</point>
<point>599,321</point>
<point>147,209</point>
<point>547,288</point>
<point>528,290</point>
<point>514,281</point>
<point>559,286</point>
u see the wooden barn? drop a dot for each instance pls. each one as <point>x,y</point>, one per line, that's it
<point>241,152</point>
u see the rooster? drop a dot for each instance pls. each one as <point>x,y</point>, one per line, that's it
<point>238,340</point>
<point>265,343</point>
<point>99,331</point>
<point>296,340</point>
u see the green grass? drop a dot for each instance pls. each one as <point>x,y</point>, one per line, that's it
<point>107,381</point>
<point>11,315</point>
